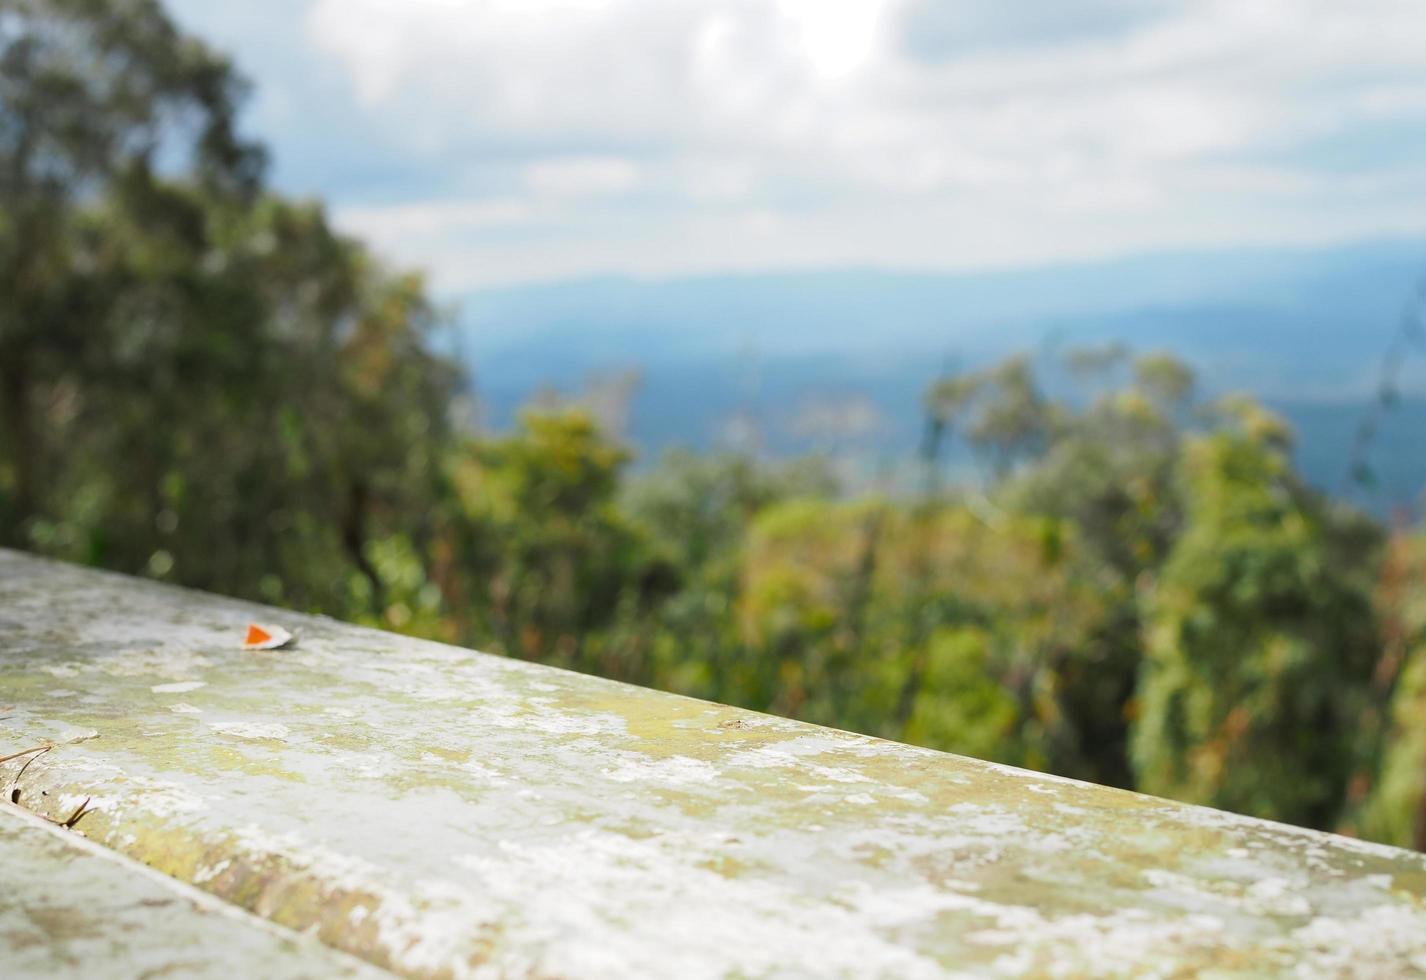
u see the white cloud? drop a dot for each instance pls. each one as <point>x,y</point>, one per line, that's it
<point>581,176</point>
<point>638,135</point>
<point>428,218</point>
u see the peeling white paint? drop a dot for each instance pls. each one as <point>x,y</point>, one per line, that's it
<point>180,688</point>
<point>676,771</point>
<point>249,730</point>
<point>212,871</point>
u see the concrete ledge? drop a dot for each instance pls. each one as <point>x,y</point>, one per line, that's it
<point>440,812</point>
<point>69,908</point>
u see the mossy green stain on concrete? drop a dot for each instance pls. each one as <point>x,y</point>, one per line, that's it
<point>67,910</point>
<point>446,813</point>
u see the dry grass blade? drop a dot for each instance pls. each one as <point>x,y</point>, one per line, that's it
<point>79,811</point>
<point>37,748</point>
<point>27,764</point>
<point>15,783</point>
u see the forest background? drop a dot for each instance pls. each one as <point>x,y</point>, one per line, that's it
<point>1124,577</point>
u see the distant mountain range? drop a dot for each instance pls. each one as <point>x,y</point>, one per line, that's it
<point>796,355</point>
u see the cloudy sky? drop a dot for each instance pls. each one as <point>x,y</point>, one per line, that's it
<point>504,141</point>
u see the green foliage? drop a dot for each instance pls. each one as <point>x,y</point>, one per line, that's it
<point>963,707</point>
<point>540,555</point>
<point>200,381</point>
<point>1002,413</point>
<point>1395,809</point>
<point>1259,641</point>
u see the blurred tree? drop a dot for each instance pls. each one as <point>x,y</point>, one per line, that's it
<point>698,510</point>
<point>1395,810</point>
<point>1260,636</point>
<point>1010,420</point>
<point>93,94</point>
<point>200,381</point>
<point>546,558</point>
<point>1107,477</point>
<point>869,616</point>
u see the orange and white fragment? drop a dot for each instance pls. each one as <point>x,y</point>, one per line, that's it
<point>266,637</point>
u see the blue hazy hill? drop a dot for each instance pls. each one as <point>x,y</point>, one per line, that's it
<point>1305,329</point>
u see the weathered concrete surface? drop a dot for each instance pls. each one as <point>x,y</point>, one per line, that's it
<point>443,812</point>
<point>71,909</point>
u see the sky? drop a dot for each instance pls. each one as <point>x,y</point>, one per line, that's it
<point>499,142</point>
